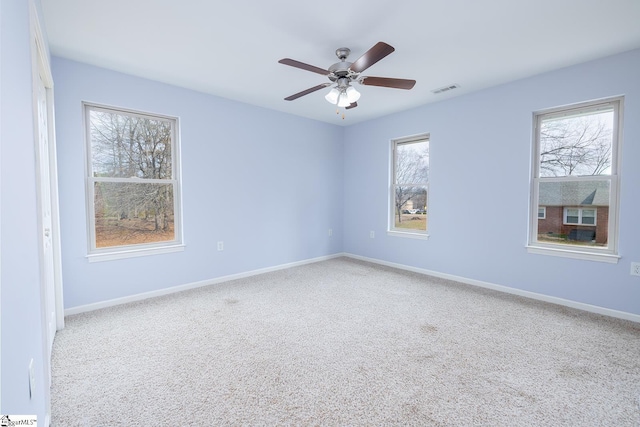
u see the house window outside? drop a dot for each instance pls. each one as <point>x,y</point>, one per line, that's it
<point>133,190</point>
<point>542,212</point>
<point>575,180</point>
<point>409,186</point>
<point>580,216</point>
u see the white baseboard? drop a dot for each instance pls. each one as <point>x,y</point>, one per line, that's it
<point>194,285</point>
<point>540,297</point>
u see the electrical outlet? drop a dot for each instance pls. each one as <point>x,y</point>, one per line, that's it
<point>220,246</point>
<point>330,232</point>
<point>32,380</point>
<point>635,268</point>
<point>372,234</point>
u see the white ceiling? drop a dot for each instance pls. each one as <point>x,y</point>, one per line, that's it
<point>231,48</point>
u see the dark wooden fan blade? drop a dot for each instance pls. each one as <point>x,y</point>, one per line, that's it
<point>370,57</point>
<point>387,82</point>
<point>303,66</point>
<point>353,105</point>
<point>306,92</point>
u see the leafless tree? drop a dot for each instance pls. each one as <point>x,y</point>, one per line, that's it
<point>411,174</point>
<point>128,146</point>
<point>578,146</point>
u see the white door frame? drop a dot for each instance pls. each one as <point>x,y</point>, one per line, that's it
<point>39,54</point>
<point>41,69</point>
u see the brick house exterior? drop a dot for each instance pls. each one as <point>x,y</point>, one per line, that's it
<point>556,196</point>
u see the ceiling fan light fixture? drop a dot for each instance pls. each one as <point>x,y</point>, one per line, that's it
<point>343,100</point>
<point>352,94</point>
<point>333,96</point>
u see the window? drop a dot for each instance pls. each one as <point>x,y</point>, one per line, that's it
<point>409,202</point>
<point>580,216</point>
<point>542,212</point>
<point>132,183</point>
<point>575,181</point>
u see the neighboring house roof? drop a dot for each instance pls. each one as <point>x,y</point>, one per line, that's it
<point>574,193</point>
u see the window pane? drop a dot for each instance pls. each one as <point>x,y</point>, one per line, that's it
<point>562,220</point>
<point>573,216</point>
<point>126,146</point>
<point>412,163</point>
<point>577,145</point>
<point>411,208</point>
<point>572,219</point>
<point>133,213</point>
<point>588,216</point>
<point>541,212</point>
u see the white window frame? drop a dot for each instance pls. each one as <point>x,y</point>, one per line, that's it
<point>142,249</point>
<point>610,253</point>
<point>544,212</point>
<point>402,232</point>
<point>595,216</point>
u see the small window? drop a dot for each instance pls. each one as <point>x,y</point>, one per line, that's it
<point>575,180</point>
<point>542,212</point>
<point>132,181</point>
<point>572,216</point>
<point>409,204</point>
<point>588,216</point>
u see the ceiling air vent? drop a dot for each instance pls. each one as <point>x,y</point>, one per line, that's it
<point>445,89</point>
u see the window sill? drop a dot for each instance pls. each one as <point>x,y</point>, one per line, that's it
<point>132,253</point>
<point>407,234</point>
<point>570,253</point>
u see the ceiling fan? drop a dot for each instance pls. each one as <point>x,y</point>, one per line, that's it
<point>344,73</point>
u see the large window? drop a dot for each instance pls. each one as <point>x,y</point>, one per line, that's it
<point>132,182</point>
<point>575,181</point>
<point>409,202</point>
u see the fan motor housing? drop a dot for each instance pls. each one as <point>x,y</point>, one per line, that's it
<point>339,69</point>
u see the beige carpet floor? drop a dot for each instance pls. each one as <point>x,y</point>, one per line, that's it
<point>345,343</point>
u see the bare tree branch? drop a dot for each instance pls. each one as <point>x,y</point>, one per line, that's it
<point>575,146</point>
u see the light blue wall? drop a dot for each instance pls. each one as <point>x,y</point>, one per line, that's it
<point>266,183</point>
<point>270,185</point>
<point>21,316</point>
<point>479,183</point>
